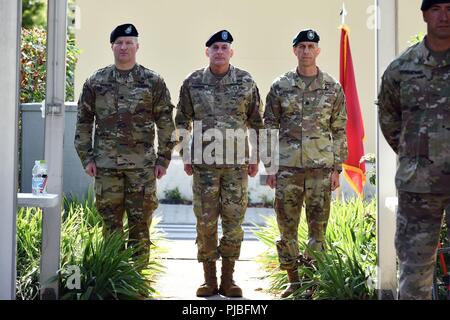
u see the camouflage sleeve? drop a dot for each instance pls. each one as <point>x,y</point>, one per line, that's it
<point>338,124</point>
<point>254,116</point>
<point>389,114</point>
<point>84,125</point>
<point>272,112</point>
<point>272,116</point>
<point>185,112</point>
<point>162,112</point>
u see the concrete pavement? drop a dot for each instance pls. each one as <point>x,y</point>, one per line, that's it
<point>184,274</point>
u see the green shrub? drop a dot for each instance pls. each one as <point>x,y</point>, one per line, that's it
<point>372,173</point>
<point>346,269</point>
<point>416,38</point>
<point>174,196</point>
<point>107,270</point>
<point>29,238</point>
<point>33,65</point>
<point>440,276</point>
<point>82,245</point>
<point>266,201</point>
<point>34,13</point>
<point>33,72</point>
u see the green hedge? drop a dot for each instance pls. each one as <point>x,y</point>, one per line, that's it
<point>346,270</point>
<point>33,65</point>
<point>107,269</point>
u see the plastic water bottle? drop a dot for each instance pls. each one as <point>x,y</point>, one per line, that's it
<point>40,176</point>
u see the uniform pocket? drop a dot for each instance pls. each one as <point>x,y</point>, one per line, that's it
<point>105,106</point>
<point>98,188</point>
<point>439,138</point>
<point>237,95</point>
<point>203,99</point>
<point>150,200</point>
<point>140,102</point>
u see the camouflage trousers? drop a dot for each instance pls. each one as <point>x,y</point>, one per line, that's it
<point>219,192</point>
<point>129,190</point>
<point>295,186</point>
<point>419,222</point>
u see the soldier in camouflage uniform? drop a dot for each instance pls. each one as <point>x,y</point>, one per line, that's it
<point>307,106</point>
<point>414,115</point>
<point>125,102</point>
<point>219,97</point>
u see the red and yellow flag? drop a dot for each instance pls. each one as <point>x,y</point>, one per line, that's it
<point>354,171</point>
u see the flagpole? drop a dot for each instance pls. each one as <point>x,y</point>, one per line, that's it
<point>343,14</point>
<point>338,193</point>
<point>353,170</point>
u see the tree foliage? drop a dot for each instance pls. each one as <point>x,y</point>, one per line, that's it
<point>34,13</point>
<point>33,65</point>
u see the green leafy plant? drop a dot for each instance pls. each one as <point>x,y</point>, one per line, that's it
<point>33,65</point>
<point>34,13</point>
<point>83,245</point>
<point>29,237</point>
<point>174,196</point>
<point>108,270</point>
<point>372,173</point>
<point>33,71</point>
<point>266,201</point>
<point>439,276</point>
<point>416,38</point>
<point>263,201</point>
<point>346,269</point>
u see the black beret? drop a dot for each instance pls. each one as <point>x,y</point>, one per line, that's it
<point>427,4</point>
<point>124,30</point>
<point>221,36</point>
<point>306,35</point>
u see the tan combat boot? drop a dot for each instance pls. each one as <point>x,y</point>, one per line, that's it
<point>227,286</point>
<point>294,283</point>
<point>209,288</point>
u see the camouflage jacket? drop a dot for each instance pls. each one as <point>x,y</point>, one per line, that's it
<point>124,109</point>
<point>414,115</point>
<point>311,121</point>
<point>232,102</point>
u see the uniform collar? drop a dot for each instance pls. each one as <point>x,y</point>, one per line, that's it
<point>211,79</point>
<point>424,56</point>
<point>317,84</point>
<point>119,76</point>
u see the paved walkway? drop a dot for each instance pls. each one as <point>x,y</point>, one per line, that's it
<point>184,274</point>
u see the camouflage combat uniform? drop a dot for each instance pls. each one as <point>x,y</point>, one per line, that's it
<point>414,114</point>
<point>312,142</point>
<point>124,108</point>
<point>220,189</point>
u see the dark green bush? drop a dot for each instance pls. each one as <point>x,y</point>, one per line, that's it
<point>107,270</point>
<point>33,65</point>
<point>174,196</point>
<point>346,270</point>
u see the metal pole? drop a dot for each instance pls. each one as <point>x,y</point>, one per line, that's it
<point>54,133</point>
<point>386,159</point>
<point>10,23</point>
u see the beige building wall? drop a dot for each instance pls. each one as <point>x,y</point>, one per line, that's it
<point>173,33</point>
<point>410,22</point>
